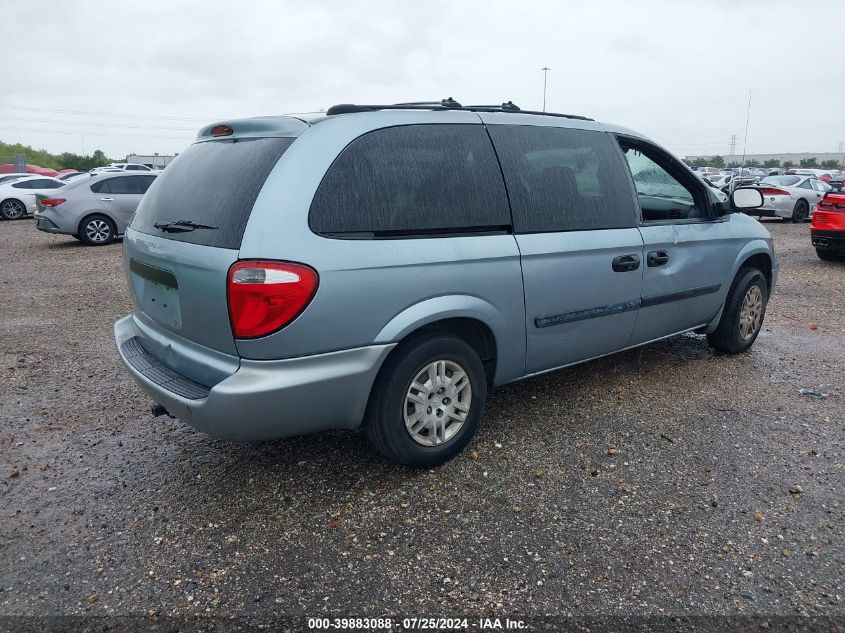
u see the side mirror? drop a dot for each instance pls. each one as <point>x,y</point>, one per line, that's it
<point>746,198</point>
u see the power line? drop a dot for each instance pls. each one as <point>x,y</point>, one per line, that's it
<point>78,132</point>
<point>114,125</point>
<point>111,114</point>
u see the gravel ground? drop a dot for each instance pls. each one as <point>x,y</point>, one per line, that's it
<point>669,482</point>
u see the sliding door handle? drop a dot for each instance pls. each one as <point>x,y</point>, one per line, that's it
<point>626,263</point>
<point>657,258</point>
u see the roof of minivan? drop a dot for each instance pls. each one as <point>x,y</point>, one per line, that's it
<point>292,125</point>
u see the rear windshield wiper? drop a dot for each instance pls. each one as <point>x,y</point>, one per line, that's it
<point>181,226</point>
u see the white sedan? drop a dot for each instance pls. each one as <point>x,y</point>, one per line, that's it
<point>17,198</point>
<point>791,197</point>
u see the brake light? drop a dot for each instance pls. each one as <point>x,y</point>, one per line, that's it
<point>829,205</point>
<point>772,191</point>
<point>265,296</point>
<point>221,130</point>
<point>52,202</point>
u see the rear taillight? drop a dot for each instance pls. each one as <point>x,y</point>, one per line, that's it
<point>52,202</point>
<point>829,205</point>
<point>265,296</point>
<point>772,191</point>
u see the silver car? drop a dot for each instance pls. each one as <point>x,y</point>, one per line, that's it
<point>385,266</point>
<point>94,209</point>
<point>792,197</point>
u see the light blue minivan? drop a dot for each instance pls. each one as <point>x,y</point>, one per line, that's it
<point>386,265</point>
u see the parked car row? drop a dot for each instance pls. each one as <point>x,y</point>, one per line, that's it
<point>94,208</point>
<point>123,167</point>
<point>729,178</point>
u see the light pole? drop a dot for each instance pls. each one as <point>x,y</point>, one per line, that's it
<point>745,141</point>
<point>545,70</point>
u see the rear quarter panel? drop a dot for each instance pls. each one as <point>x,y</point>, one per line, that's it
<point>378,291</point>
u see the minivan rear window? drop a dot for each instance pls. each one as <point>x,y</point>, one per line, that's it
<point>213,183</point>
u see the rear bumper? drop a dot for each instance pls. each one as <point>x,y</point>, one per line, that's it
<point>781,207</point>
<point>263,399</point>
<point>44,224</point>
<point>49,222</point>
<point>833,241</point>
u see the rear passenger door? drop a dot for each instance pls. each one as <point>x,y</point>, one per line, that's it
<point>120,197</point>
<point>688,251</point>
<point>575,224</point>
<point>420,231</point>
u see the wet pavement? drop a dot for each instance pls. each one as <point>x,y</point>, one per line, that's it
<point>672,481</point>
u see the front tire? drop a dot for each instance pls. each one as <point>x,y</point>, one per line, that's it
<point>12,209</point>
<point>800,212</point>
<point>742,318</point>
<point>427,400</point>
<point>97,230</point>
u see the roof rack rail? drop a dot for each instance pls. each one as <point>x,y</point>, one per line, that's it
<point>444,104</point>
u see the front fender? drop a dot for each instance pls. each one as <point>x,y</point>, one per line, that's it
<point>749,250</point>
<point>510,337</point>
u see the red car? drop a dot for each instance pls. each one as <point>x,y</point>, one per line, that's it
<point>827,229</point>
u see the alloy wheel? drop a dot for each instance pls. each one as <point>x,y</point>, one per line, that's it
<point>437,403</point>
<point>12,210</point>
<point>98,231</point>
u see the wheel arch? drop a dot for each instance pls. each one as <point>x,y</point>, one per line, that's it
<point>756,254</point>
<point>762,260</point>
<point>473,319</point>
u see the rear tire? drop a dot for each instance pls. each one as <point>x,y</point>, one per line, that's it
<point>12,209</point>
<point>97,230</point>
<point>800,212</point>
<point>828,256</point>
<point>742,318</point>
<point>426,425</point>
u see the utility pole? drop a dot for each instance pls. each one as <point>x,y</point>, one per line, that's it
<point>545,70</point>
<point>733,144</point>
<point>747,119</point>
<point>842,151</point>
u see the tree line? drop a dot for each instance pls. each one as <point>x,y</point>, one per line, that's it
<point>43,158</point>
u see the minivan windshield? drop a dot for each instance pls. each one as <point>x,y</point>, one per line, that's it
<point>212,184</point>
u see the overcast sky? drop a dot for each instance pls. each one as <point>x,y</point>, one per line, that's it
<point>144,76</point>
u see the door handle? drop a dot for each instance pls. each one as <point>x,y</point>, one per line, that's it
<point>657,258</point>
<point>626,263</point>
<point>107,199</point>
